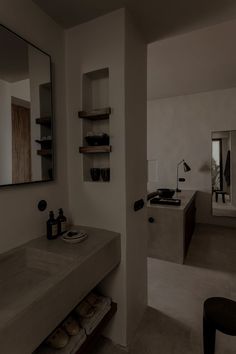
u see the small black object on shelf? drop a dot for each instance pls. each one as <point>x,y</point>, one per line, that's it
<point>105,174</point>
<point>95,174</point>
<point>97,140</point>
<point>165,192</point>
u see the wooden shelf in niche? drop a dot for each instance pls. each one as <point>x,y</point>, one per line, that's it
<point>95,114</point>
<point>45,152</point>
<point>95,149</point>
<point>44,141</point>
<point>44,121</point>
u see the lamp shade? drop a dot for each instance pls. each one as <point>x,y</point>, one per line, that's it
<point>187,168</point>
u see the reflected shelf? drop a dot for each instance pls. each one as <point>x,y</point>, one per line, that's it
<point>44,121</point>
<point>95,149</point>
<point>45,152</point>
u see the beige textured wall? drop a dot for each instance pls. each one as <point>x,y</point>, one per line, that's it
<point>96,45</point>
<point>111,41</point>
<point>180,127</point>
<point>20,218</point>
<point>136,173</point>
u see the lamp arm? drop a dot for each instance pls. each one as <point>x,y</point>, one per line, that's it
<point>177,175</point>
<point>180,163</point>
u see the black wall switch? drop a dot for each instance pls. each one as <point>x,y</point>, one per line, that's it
<point>139,204</point>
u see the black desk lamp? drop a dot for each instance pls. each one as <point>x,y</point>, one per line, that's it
<point>186,169</point>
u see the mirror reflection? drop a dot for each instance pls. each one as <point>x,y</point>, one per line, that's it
<point>25,112</point>
<point>223,173</point>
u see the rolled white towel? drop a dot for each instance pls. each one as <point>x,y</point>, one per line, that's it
<point>73,345</point>
<point>85,310</point>
<point>94,300</point>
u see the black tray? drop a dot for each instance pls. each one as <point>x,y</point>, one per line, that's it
<point>166,201</point>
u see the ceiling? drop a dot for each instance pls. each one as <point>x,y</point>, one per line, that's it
<point>157,19</point>
<point>192,42</point>
<point>198,61</point>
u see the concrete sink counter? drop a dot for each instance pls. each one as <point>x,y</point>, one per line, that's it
<point>42,281</point>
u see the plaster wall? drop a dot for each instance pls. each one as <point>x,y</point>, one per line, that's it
<point>21,89</point>
<point>113,42</point>
<point>180,128</point>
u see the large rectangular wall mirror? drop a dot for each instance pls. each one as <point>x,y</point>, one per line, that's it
<point>26,141</point>
<point>223,173</point>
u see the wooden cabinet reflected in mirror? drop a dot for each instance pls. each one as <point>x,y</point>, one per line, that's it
<point>26,141</point>
<point>223,173</point>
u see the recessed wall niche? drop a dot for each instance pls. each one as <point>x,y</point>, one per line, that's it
<point>95,123</point>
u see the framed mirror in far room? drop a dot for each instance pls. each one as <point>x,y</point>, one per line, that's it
<point>223,173</point>
<point>26,142</point>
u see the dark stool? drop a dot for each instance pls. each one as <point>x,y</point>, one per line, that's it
<point>217,193</point>
<point>218,314</point>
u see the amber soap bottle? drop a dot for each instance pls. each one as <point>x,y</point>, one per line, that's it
<point>62,222</point>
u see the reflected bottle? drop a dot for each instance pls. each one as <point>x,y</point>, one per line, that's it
<point>52,227</point>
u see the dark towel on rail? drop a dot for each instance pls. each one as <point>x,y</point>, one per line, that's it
<point>227,169</point>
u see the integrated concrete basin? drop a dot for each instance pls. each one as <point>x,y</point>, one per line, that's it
<point>24,274</point>
<point>42,281</point>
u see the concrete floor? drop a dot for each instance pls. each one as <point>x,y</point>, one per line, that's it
<point>172,323</point>
<point>223,209</point>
